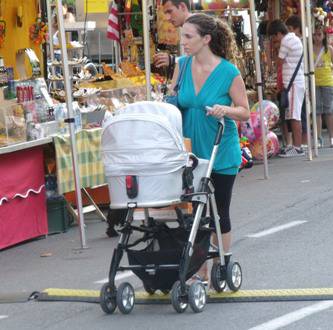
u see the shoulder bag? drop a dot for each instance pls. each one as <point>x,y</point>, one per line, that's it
<point>284,100</point>
<point>173,99</point>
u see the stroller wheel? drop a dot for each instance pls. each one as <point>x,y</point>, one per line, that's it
<point>197,297</point>
<point>125,298</point>
<point>148,289</point>
<point>108,298</point>
<point>218,277</point>
<point>178,301</point>
<point>234,276</point>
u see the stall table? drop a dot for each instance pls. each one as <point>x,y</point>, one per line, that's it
<point>22,193</point>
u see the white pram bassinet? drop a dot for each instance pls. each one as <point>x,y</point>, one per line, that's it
<point>145,140</point>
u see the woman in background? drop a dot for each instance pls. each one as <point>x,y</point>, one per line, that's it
<point>323,55</point>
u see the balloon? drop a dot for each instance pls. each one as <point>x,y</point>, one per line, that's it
<point>239,4</point>
<point>252,127</point>
<point>218,4</point>
<point>247,130</point>
<point>271,112</point>
<point>256,124</point>
<point>272,145</point>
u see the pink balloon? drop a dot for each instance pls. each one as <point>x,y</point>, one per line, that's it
<point>271,112</point>
<point>256,124</point>
<point>272,145</point>
<point>273,142</point>
<point>247,130</point>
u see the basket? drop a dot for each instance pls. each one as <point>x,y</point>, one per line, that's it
<point>171,243</point>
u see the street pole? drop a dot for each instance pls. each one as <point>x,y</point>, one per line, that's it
<point>259,85</point>
<point>312,83</point>
<point>146,46</point>
<point>70,120</point>
<point>306,76</point>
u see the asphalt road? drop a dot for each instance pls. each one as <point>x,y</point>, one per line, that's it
<point>282,238</point>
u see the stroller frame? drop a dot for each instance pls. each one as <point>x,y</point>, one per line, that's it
<point>203,198</point>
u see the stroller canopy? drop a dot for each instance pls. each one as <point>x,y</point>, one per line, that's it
<point>144,138</point>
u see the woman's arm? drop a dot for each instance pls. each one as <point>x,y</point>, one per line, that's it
<point>240,109</point>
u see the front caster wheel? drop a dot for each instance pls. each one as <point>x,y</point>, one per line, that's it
<point>178,301</point>
<point>218,277</point>
<point>107,298</point>
<point>197,297</point>
<point>125,298</point>
<point>234,276</point>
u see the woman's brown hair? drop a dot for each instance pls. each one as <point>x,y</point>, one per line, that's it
<point>222,41</point>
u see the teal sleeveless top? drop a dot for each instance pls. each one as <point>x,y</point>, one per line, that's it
<point>202,129</point>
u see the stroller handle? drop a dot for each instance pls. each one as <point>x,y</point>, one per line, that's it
<point>219,133</point>
<point>220,127</point>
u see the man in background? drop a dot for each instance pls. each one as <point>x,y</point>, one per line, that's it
<point>290,52</point>
<point>176,12</point>
<point>294,24</point>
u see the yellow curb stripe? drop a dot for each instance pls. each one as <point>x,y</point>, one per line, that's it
<point>315,292</point>
<point>273,293</point>
<point>72,293</point>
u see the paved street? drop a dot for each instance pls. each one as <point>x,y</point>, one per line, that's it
<point>282,238</point>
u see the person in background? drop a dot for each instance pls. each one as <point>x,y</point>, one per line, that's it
<point>323,55</point>
<point>290,52</point>
<point>69,17</point>
<point>210,79</point>
<point>294,24</point>
<point>176,12</point>
<point>284,124</point>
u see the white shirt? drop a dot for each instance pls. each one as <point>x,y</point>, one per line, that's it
<point>291,50</point>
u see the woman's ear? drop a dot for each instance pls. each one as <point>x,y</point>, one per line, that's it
<point>207,38</point>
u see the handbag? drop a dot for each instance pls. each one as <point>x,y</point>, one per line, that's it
<point>284,99</point>
<point>173,98</point>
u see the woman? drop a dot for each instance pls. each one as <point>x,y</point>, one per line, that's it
<point>323,55</point>
<point>210,79</point>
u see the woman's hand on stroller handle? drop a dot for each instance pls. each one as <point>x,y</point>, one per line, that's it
<point>218,111</point>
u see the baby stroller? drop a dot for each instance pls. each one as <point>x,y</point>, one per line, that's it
<point>147,166</point>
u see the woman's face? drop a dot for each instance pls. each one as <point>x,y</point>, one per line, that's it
<point>191,40</point>
<point>318,36</point>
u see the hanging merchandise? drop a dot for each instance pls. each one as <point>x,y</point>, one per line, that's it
<point>136,19</point>
<point>320,16</point>
<point>127,10</point>
<point>2,27</point>
<point>261,6</point>
<point>19,16</point>
<point>328,8</point>
<point>290,7</point>
<point>38,30</point>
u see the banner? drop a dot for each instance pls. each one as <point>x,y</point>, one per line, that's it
<point>96,6</point>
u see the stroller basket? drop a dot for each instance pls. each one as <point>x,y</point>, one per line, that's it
<point>171,242</point>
